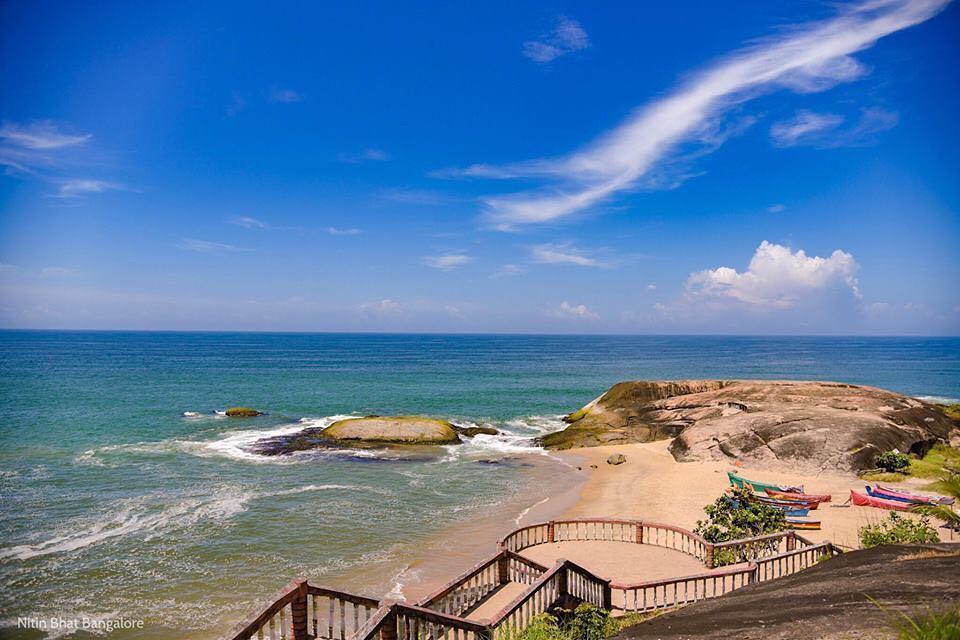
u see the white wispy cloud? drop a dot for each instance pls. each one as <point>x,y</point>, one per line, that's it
<point>248,222</point>
<point>575,311</point>
<point>777,208</point>
<point>385,306</point>
<point>508,270</point>
<point>41,135</point>
<point>776,278</point>
<point>562,254</point>
<point>825,130</point>
<point>803,126</point>
<point>806,58</point>
<point>343,231</point>
<point>280,95</point>
<point>418,196</point>
<point>447,261</point>
<point>76,187</point>
<point>567,36</point>
<point>193,244</point>
<point>367,155</point>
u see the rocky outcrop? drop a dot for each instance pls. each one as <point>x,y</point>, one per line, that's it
<point>476,431</point>
<point>804,425</point>
<point>362,433</point>
<point>393,430</point>
<point>617,458</point>
<point>242,412</point>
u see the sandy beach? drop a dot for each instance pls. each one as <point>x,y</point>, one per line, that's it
<point>652,486</point>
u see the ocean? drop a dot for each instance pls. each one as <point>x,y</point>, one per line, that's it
<point>124,493</point>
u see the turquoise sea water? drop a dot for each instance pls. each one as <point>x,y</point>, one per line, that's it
<point>123,493</point>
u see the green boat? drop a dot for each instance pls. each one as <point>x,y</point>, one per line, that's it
<point>737,481</point>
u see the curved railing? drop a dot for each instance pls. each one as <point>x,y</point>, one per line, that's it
<point>306,612</point>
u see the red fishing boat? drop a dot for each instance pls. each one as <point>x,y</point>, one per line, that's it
<point>867,501</point>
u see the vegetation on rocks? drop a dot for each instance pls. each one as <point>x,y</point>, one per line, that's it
<point>892,461</point>
<point>897,529</point>
<point>941,460</point>
<point>243,412</point>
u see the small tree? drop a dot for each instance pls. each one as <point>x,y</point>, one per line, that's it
<point>739,515</point>
<point>892,461</point>
<point>898,530</point>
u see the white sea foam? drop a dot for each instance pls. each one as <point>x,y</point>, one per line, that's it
<point>150,515</point>
<point>237,444</point>
<point>523,513</point>
<point>938,399</point>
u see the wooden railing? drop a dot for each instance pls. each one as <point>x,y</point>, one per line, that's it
<point>611,530</point>
<point>305,612</point>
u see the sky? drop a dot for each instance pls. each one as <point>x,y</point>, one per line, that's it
<point>550,167</point>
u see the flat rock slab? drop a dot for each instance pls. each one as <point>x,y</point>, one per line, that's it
<point>807,426</point>
<point>363,433</point>
<point>827,601</point>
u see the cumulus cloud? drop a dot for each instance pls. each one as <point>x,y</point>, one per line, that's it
<point>562,254</point>
<point>575,311</point>
<point>805,58</point>
<point>776,278</point>
<point>567,36</point>
<point>447,261</point>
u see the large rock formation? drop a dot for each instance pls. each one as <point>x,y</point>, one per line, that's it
<point>804,425</point>
<point>361,433</point>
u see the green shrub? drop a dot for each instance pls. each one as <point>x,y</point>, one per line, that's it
<point>898,530</point>
<point>891,461</point>
<point>586,622</point>
<point>737,515</point>
<point>927,625</point>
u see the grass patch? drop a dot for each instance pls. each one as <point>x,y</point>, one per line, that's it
<point>882,476</point>
<point>928,624</point>
<point>940,460</point>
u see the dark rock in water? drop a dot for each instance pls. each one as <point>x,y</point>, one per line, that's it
<point>491,461</point>
<point>243,412</point>
<point>617,458</point>
<point>807,426</point>
<point>472,431</point>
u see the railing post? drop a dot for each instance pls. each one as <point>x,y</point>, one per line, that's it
<point>551,532</point>
<point>503,568</point>
<point>562,580</point>
<point>388,629</point>
<point>791,541</point>
<point>710,559</point>
<point>298,610</point>
<point>607,594</point>
<point>639,533</point>
<point>487,633</point>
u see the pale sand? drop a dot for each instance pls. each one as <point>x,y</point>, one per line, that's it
<point>652,486</point>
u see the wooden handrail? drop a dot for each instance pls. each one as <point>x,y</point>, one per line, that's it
<point>517,602</point>
<point>252,623</point>
<point>735,570</point>
<point>746,541</point>
<point>365,601</point>
<point>463,577</point>
<point>444,619</point>
<point>372,625</point>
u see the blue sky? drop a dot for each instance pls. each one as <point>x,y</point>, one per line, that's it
<point>688,167</point>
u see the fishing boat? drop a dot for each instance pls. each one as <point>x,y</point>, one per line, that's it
<point>869,501</point>
<point>810,525</point>
<point>788,504</point>
<point>809,497</point>
<point>907,496</point>
<point>737,481</point>
<point>797,513</point>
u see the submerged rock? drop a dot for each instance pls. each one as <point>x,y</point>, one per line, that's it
<point>473,431</point>
<point>243,412</point>
<point>808,426</point>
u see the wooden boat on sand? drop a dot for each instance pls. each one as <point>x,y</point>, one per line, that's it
<point>888,493</point>
<point>737,481</point>
<point>869,501</point>
<point>808,525</point>
<point>806,497</point>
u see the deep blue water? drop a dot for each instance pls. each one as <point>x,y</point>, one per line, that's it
<point>112,501</point>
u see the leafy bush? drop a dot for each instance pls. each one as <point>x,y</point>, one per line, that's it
<point>891,461</point>
<point>586,622</point>
<point>898,530</point>
<point>737,515</point>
